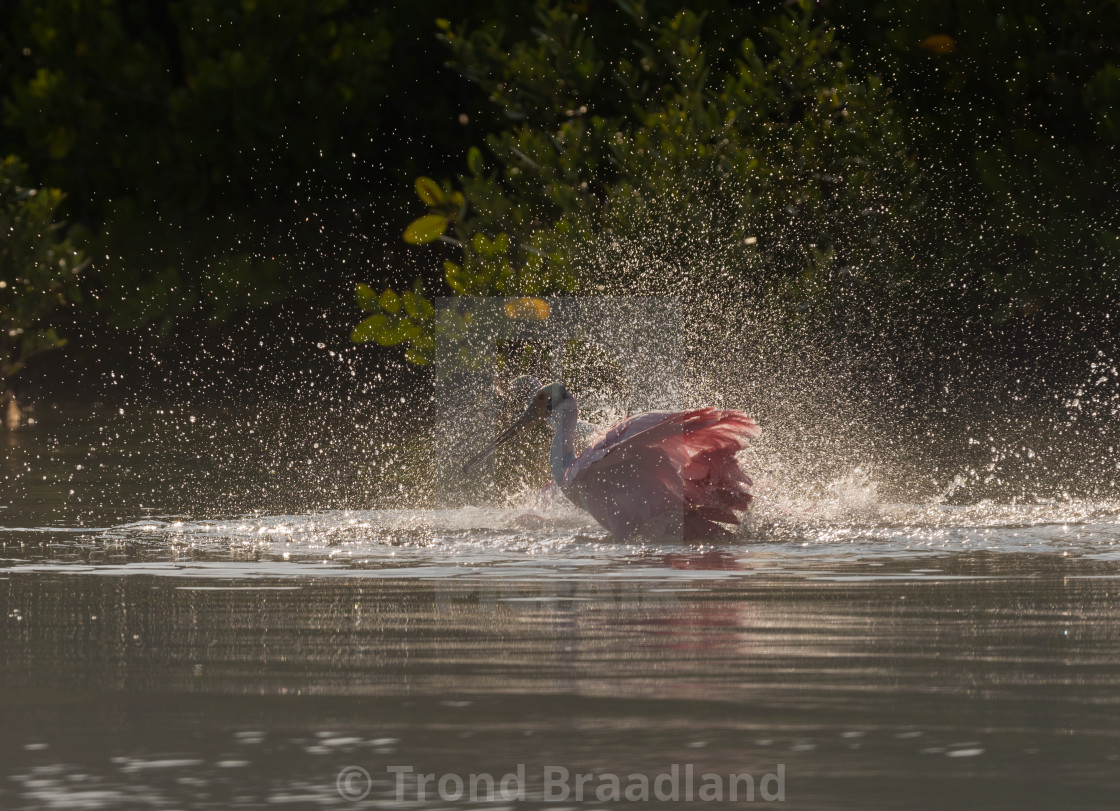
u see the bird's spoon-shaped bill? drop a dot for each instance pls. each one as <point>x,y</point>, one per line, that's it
<point>529,417</point>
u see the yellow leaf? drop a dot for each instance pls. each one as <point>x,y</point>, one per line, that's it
<point>390,302</point>
<point>429,191</point>
<point>528,308</point>
<point>427,228</point>
<point>474,160</point>
<point>367,299</point>
<point>369,329</point>
<point>411,304</point>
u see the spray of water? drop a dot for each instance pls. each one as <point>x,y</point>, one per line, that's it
<point>861,433</point>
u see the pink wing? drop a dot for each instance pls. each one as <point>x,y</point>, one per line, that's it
<point>670,469</point>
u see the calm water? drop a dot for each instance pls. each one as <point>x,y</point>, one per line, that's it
<point>843,652</point>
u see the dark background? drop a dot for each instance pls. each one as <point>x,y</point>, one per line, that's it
<point>235,168</point>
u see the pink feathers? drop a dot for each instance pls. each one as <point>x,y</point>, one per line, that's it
<point>666,472</point>
<point>658,474</point>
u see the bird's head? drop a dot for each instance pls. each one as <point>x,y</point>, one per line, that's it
<point>544,402</point>
<point>548,398</point>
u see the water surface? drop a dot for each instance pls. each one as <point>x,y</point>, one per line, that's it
<point>876,655</point>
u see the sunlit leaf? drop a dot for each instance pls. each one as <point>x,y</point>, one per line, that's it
<point>389,301</point>
<point>528,308</point>
<point>411,306</point>
<point>369,329</point>
<point>429,191</point>
<point>474,160</point>
<point>425,229</point>
<point>417,357</point>
<point>393,334</point>
<point>453,274</point>
<point>367,298</point>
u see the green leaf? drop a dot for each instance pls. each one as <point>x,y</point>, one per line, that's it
<point>369,329</point>
<point>391,336</point>
<point>390,302</point>
<point>474,160</point>
<point>416,357</point>
<point>411,306</point>
<point>398,332</point>
<point>454,276</point>
<point>429,191</point>
<point>426,229</point>
<point>367,299</point>
<point>60,141</point>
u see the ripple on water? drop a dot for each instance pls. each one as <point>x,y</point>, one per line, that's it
<point>553,540</point>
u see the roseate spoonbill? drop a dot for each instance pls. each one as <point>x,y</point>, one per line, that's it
<point>661,473</point>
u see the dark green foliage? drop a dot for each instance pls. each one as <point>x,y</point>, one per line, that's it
<point>184,129</point>
<point>212,147</point>
<point>1016,118</point>
<point>892,163</point>
<point>778,173</point>
<point>980,188</point>
<point>39,267</point>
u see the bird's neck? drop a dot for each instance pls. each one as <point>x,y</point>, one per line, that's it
<point>563,452</point>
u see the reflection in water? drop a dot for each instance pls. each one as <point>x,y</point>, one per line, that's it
<point>915,655</point>
<point>977,680</point>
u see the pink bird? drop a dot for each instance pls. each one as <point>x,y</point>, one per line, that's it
<point>656,474</point>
